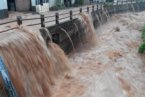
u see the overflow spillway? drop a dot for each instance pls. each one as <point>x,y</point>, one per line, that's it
<point>33,67</point>
<point>35,64</point>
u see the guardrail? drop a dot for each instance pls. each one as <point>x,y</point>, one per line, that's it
<point>45,19</point>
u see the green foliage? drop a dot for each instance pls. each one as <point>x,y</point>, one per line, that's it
<point>109,0</point>
<point>107,4</point>
<point>58,5</point>
<point>139,0</point>
<point>143,34</point>
<point>141,48</point>
<point>79,2</point>
<point>58,2</point>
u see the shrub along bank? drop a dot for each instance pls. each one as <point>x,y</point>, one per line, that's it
<point>142,46</point>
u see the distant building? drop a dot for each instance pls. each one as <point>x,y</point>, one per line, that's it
<point>52,2</point>
<point>3,9</point>
<point>22,5</point>
<point>26,5</point>
<point>17,5</point>
<point>30,5</point>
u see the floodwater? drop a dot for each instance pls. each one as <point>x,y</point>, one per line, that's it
<point>111,68</point>
<point>32,66</point>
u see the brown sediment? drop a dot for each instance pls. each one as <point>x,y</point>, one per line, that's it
<point>119,69</point>
<point>126,86</point>
<point>114,55</point>
<point>32,66</point>
<point>70,88</point>
<point>133,44</point>
<point>96,67</point>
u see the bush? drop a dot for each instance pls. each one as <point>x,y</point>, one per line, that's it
<point>142,47</point>
<point>143,34</point>
<point>107,4</point>
<point>79,2</point>
<point>58,5</point>
<point>109,0</point>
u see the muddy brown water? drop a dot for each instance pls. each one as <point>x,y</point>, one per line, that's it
<point>35,69</point>
<point>111,67</point>
<point>32,66</point>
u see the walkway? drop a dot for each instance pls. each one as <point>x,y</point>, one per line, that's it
<point>28,15</point>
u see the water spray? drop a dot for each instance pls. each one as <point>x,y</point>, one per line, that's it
<point>68,37</point>
<point>46,35</point>
<point>78,33</point>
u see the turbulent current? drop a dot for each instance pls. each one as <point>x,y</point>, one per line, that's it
<point>107,64</point>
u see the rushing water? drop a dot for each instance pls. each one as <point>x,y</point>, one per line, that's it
<point>32,66</point>
<point>35,66</point>
<point>111,67</point>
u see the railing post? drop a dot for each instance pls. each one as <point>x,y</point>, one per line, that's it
<point>42,20</point>
<point>93,8</point>
<point>57,18</point>
<point>19,20</point>
<point>80,10</point>
<point>88,9</point>
<point>71,14</point>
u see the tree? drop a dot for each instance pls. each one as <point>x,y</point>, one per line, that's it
<point>109,0</point>
<point>58,5</point>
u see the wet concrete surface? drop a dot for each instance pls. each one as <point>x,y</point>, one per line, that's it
<point>65,14</point>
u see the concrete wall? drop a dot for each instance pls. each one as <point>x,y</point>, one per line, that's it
<point>52,2</point>
<point>3,9</point>
<point>37,8</point>
<point>33,2</point>
<point>59,37</point>
<point>33,5</point>
<point>23,5</point>
<point>73,1</point>
<point>3,4</point>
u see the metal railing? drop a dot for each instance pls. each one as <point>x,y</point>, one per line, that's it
<point>70,14</point>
